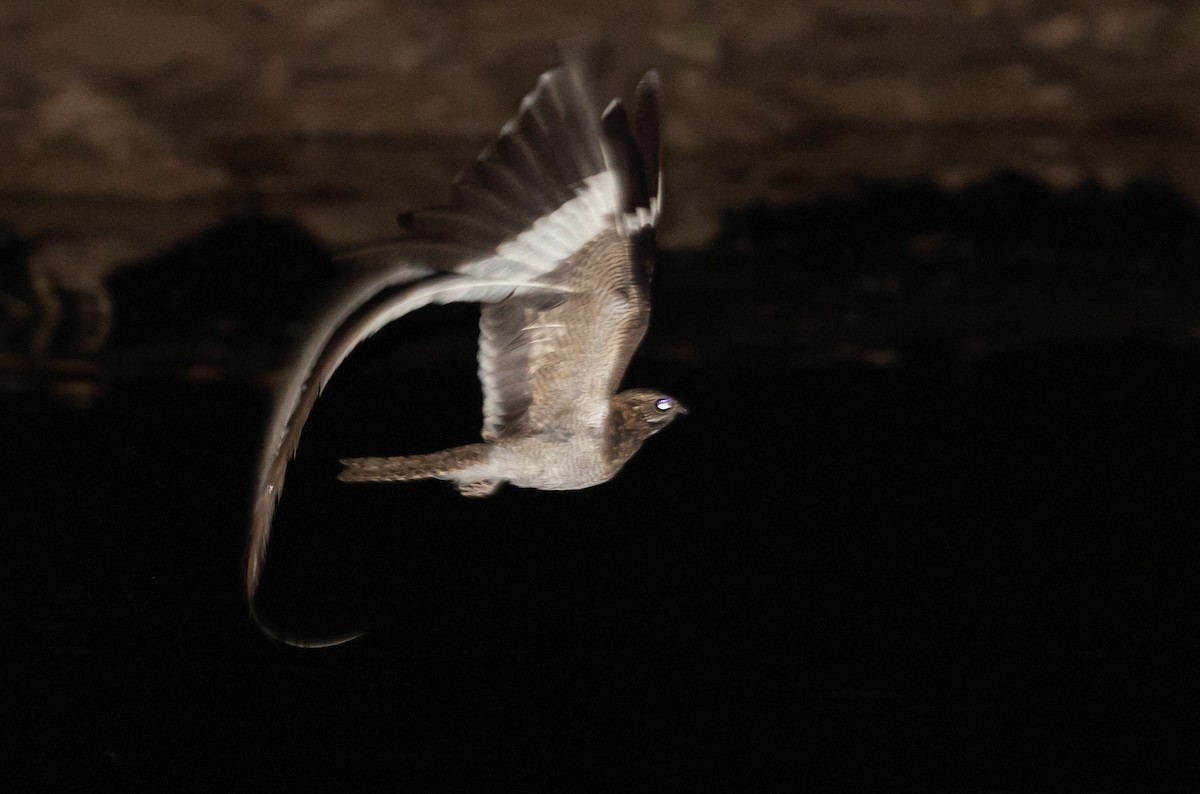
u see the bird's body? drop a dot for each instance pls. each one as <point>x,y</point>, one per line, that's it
<point>552,232</point>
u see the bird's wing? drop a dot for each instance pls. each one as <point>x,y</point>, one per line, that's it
<point>366,305</point>
<point>529,201</point>
<point>641,194</point>
<point>554,181</point>
<point>546,363</point>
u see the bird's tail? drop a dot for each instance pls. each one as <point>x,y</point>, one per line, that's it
<point>442,465</point>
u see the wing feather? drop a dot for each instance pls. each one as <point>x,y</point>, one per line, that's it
<point>523,344</point>
<point>647,129</point>
<point>365,307</point>
<point>551,229</point>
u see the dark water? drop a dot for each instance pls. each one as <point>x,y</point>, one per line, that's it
<point>956,571</point>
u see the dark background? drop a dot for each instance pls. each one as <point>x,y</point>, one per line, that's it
<point>930,289</point>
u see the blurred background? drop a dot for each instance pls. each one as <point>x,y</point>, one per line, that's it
<point>929,283</point>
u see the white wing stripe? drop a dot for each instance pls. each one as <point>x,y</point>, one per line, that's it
<point>556,236</point>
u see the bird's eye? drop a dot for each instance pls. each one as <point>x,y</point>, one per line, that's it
<point>664,404</point>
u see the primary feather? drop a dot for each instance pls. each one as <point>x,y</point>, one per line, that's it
<point>551,230</point>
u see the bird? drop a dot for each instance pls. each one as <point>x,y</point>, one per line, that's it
<point>552,231</point>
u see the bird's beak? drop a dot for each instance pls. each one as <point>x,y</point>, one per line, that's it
<point>681,408</point>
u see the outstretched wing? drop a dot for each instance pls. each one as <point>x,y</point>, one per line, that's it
<point>557,179</point>
<point>529,201</point>
<point>366,304</point>
<point>545,364</point>
<point>486,246</point>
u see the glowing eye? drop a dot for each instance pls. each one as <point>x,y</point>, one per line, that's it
<point>664,403</point>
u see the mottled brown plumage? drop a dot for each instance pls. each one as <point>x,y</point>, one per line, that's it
<point>556,423</point>
<point>552,232</point>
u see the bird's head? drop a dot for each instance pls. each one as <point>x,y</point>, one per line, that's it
<point>647,411</point>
